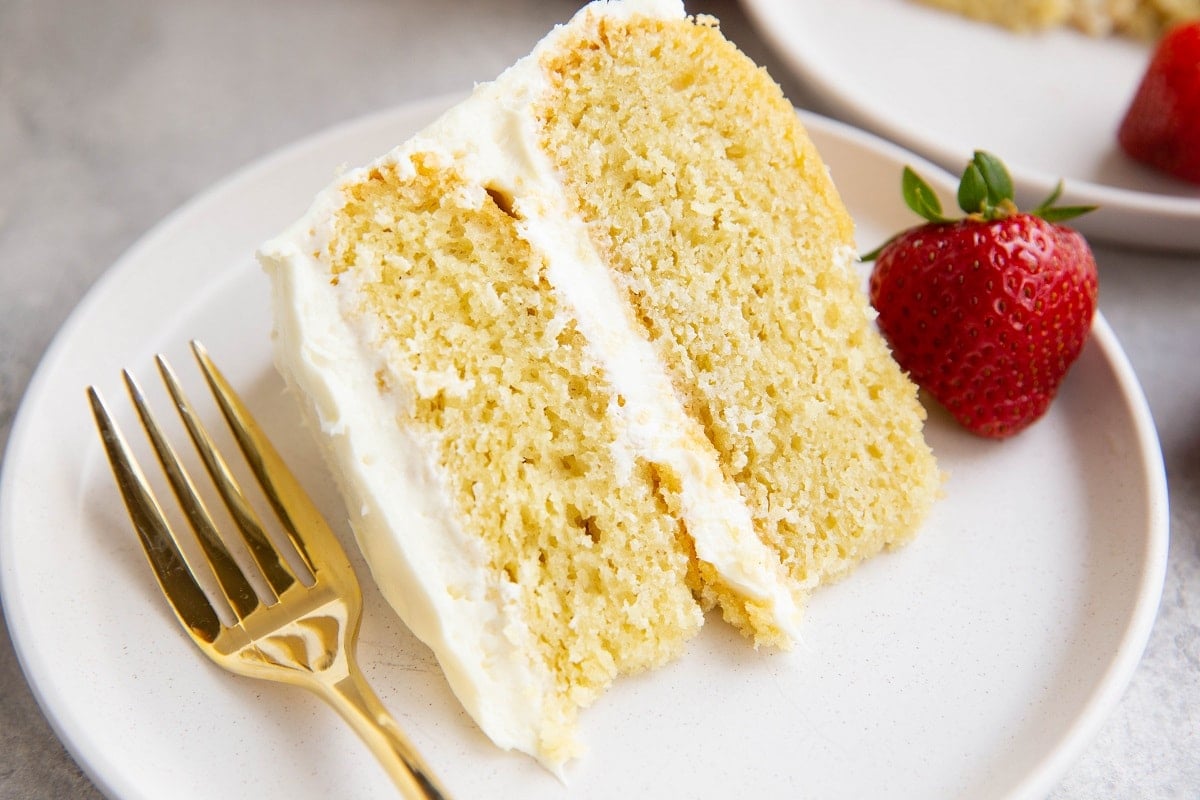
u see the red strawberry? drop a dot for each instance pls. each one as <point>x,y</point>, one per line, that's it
<point>1162,126</point>
<point>987,312</point>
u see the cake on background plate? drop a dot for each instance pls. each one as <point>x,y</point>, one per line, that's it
<point>589,357</point>
<point>1145,19</point>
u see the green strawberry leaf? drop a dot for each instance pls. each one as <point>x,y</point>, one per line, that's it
<point>1062,213</point>
<point>1049,201</point>
<point>874,254</point>
<point>920,197</point>
<point>1049,212</point>
<point>995,176</point>
<point>972,190</point>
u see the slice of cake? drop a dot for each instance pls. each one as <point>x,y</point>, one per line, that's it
<point>589,357</point>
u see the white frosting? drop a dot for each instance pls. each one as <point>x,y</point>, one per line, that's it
<point>426,567</point>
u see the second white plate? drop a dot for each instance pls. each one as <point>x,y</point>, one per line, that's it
<point>975,662</point>
<point>1049,104</point>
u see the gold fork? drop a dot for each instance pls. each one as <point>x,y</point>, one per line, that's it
<point>303,628</point>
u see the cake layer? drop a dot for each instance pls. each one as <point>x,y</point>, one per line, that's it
<point>744,286</point>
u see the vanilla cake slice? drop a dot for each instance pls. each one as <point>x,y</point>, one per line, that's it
<point>589,357</point>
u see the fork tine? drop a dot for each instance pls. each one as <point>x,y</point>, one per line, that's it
<point>291,503</point>
<point>277,574</point>
<point>233,583</point>
<point>174,577</point>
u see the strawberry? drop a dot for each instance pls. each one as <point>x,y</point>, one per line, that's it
<point>1162,126</point>
<point>986,312</point>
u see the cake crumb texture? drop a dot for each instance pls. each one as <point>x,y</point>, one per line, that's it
<point>500,380</point>
<point>732,246</point>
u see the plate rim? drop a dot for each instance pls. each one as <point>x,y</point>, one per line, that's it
<point>1101,700</point>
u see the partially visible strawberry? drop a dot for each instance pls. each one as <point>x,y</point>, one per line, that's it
<point>987,312</point>
<point>1162,126</point>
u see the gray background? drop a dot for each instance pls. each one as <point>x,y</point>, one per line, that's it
<point>114,112</point>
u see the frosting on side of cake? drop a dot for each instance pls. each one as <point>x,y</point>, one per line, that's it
<point>431,576</point>
<point>427,568</point>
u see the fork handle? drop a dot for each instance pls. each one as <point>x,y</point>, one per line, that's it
<point>358,704</point>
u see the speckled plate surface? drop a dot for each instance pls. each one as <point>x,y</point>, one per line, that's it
<point>974,663</point>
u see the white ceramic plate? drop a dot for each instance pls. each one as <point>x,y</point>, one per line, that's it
<point>974,663</point>
<point>1049,104</point>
